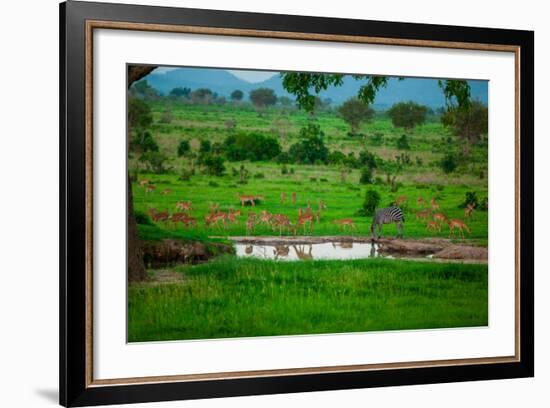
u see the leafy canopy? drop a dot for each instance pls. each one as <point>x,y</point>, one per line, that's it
<point>407,115</point>
<point>355,112</point>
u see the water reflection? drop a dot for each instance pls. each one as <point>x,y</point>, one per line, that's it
<point>328,250</point>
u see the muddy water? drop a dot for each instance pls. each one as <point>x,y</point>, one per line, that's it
<point>293,252</point>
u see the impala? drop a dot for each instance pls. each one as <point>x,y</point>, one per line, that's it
<point>469,210</point>
<point>215,218</point>
<point>345,222</point>
<point>422,214</point>
<point>184,206</point>
<point>281,221</point>
<point>283,197</point>
<point>144,182</point>
<point>433,226</point>
<point>439,217</point>
<point>166,191</point>
<point>304,219</point>
<point>293,198</point>
<point>459,225</point>
<point>401,200</point>
<point>149,188</point>
<point>434,204</point>
<point>421,202</point>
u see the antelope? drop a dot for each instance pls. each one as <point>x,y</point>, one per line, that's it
<point>345,222</point>
<point>293,198</point>
<point>321,205</point>
<point>433,226</point>
<point>247,199</point>
<point>434,204</point>
<point>232,215</point>
<point>144,182</point>
<point>250,223</point>
<point>213,208</point>
<point>460,225</point>
<point>166,191</point>
<point>185,219</point>
<point>283,197</point>
<point>281,221</point>
<point>215,218</point>
<point>159,216</point>
<point>303,219</point>
<point>184,206</point>
<point>266,217</point>
<point>469,210</point>
<point>149,188</point>
<point>421,202</point>
<point>301,252</point>
<point>439,217</point>
<point>401,200</point>
<point>422,214</point>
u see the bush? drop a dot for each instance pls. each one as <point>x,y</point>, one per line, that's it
<point>251,146</point>
<point>259,175</point>
<point>292,170</point>
<point>213,184</point>
<point>284,169</point>
<point>378,181</point>
<point>366,176</point>
<point>403,143</point>
<point>183,148</point>
<point>142,218</point>
<point>377,139</point>
<point>323,180</point>
<point>186,174</point>
<point>336,157</point>
<point>166,117</point>
<point>368,159</point>
<point>449,163</point>
<point>205,146</point>
<point>212,165</point>
<point>372,199</point>
<point>313,179</point>
<point>144,142</point>
<point>470,199</point>
<point>155,162</point>
<point>311,148</point>
<point>419,161</point>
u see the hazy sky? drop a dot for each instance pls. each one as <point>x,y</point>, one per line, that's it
<point>250,76</point>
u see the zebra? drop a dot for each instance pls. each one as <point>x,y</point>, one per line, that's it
<point>387,216</point>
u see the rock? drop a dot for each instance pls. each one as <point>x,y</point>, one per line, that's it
<point>410,247</point>
<point>462,252</point>
<point>172,251</point>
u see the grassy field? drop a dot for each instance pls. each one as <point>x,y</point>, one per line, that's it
<point>422,178</point>
<point>233,297</point>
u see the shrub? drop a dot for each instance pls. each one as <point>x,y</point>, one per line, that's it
<point>166,117</point>
<point>323,180</point>
<point>378,181</point>
<point>336,157</point>
<point>155,162</point>
<point>419,161</point>
<point>205,146</point>
<point>213,184</point>
<point>311,148</point>
<point>448,163</point>
<point>377,139</point>
<point>251,146</point>
<point>186,174</point>
<point>368,159</point>
<point>366,176</point>
<point>212,165</point>
<point>144,142</point>
<point>470,199</point>
<point>372,199</point>
<point>403,143</point>
<point>142,218</point>
<point>183,147</point>
<point>292,170</point>
<point>259,175</point>
<point>284,169</point>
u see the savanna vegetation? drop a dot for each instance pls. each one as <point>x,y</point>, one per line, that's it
<point>205,167</point>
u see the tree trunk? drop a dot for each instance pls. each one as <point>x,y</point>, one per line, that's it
<point>136,266</point>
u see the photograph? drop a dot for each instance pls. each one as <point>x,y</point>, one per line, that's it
<point>283,203</point>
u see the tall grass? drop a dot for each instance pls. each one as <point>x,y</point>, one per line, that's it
<point>233,297</point>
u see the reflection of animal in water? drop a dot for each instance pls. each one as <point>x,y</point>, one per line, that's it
<point>433,226</point>
<point>459,225</point>
<point>345,222</point>
<point>248,249</point>
<point>281,251</point>
<point>372,250</point>
<point>301,251</point>
<point>387,215</point>
<point>343,245</point>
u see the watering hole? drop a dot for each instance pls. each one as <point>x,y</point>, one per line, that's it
<point>301,251</point>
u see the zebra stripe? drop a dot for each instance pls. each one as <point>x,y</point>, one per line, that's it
<point>387,216</point>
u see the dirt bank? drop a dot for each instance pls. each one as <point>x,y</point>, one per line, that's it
<point>171,251</point>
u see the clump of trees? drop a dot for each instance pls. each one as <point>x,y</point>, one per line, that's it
<point>237,95</point>
<point>180,92</point>
<point>142,90</point>
<point>355,112</point>
<point>262,98</point>
<point>370,203</point>
<point>184,147</point>
<point>311,148</point>
<point>407,115</point>
<point>250,146</point>
<point>468,124</point>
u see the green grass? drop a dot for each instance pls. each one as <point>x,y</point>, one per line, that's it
<point>427,180</point>
<point>232,297</point>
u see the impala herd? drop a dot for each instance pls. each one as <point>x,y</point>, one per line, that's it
<point>429,212</point>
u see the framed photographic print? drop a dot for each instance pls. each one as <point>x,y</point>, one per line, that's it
<point>255,203</point>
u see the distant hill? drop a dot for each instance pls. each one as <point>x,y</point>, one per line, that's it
<point>420,90</point>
